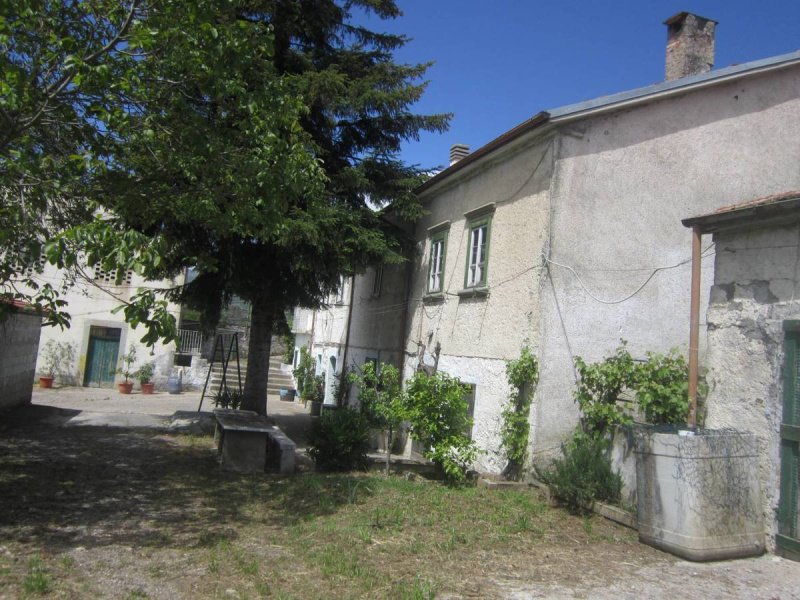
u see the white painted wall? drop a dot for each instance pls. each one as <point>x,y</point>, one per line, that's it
<point>90,304</point>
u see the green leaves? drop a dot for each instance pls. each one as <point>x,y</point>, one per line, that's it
<point>523,375</point>
<point>658,386</point>
<point>437,412</point>
<point>380,395</point>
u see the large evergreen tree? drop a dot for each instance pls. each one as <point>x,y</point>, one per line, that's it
<point>256,143</point>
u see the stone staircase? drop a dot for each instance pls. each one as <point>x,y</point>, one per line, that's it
<point>277,378</point>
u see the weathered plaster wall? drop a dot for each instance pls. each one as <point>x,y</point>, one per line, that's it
<point>621,185</point>
<point>376,329</point>
<point>19,342</point>
<point>90,305</point>
<point>477,335</point>
<point>756,288</point>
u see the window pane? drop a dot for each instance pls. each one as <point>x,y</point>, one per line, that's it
<point>477,255</point>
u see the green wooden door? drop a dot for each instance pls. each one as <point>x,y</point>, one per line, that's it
<point>788,538</point>
<point>101,356</point>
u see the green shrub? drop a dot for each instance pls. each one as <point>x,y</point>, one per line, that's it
<point>304,374</point>
<point>662,388</point>
<point>381,400</point>
<point>583,474</point>
<point>599,389</point>
<point>658,386</point>
<point>339,440</point>
<point>523,375</point>
<point>437,412</point>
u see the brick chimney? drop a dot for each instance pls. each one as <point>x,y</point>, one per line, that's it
<point>690,45</point>
<point>457,152</point>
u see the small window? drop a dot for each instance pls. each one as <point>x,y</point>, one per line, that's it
<point>470,408</point>
<point>338,296</point>
<point>110,277</point>
<point>377,282</point>
<point>436,263</point>
<point>478,253</point>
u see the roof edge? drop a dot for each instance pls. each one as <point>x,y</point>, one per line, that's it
<point>768,207</point>
<point>534,122</point>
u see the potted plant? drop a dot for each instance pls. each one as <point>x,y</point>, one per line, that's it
<point>126,370</point>
<point>144,374</point>
<point>58,360</point>
<point>287,394</point>
<point>317,395</point>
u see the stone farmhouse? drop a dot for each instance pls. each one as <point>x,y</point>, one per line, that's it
<point>564,234</point>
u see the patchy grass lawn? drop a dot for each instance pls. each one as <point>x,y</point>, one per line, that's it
<point>92,512</point>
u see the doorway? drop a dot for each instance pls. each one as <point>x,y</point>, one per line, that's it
<point>101,356</point>
<point>788,537</point>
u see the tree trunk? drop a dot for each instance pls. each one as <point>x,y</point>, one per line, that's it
<point>257,375</point>
<point>388,449</point>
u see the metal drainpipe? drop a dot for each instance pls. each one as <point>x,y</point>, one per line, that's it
<point>694,327</point>
<point>343,373</point>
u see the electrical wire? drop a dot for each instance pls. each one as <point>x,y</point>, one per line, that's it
<point>631,295</point>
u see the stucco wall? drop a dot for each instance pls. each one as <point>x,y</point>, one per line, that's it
<point>621,185</point>
<point>376,330</point>
<point>477,335</point>
<point>756,288</point>
<point>90,305</point>
<point>20,343</point>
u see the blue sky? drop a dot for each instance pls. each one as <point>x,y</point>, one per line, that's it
<point>498,62</point>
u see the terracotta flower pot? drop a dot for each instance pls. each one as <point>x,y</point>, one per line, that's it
<point>147,388</point>
<point>46,382</point>
<point>125,387</point>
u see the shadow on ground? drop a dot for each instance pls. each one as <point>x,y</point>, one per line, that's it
<point>90,486</point>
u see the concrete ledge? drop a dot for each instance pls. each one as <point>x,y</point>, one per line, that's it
<point>616,514</point>
<point>248,443</point>
<point>499,484</point>
<point>280,452</point>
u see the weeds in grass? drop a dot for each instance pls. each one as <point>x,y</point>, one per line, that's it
<point>136,594</point>
<point>38,580</point>
<point>67,562</point>
<point>420,589</point>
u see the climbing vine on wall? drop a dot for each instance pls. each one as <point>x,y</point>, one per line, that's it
<point>523,375</point>
<point>608,390</point>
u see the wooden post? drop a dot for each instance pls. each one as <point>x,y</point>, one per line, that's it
<point>694,327</point>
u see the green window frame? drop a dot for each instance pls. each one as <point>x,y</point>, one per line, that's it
<point>788,535</point>
<point>436,261</point>
<point>477,268</point>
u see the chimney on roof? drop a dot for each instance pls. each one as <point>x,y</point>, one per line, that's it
<point>690,45</point>
<point>457,152</point>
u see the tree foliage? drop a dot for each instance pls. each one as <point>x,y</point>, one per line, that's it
<point>381,400</point>
<point>248,139</point>
<point>437,412</point>
<point>276,123</point>
<point>58,69</point>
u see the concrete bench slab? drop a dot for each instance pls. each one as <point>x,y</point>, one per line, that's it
<point>248,443</point>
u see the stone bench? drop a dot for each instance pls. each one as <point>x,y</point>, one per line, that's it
<point>248,443</point>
